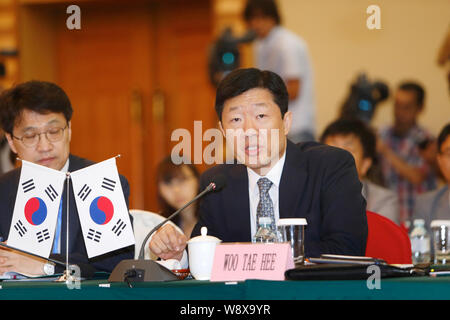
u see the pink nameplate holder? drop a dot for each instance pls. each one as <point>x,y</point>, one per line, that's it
<point>242,261</point>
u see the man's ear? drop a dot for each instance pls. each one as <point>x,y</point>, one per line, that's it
<point>221,128</point>
<point>69,128</point>
<point>365,166</point>
<point>10,140</point>
<point>287,121</point>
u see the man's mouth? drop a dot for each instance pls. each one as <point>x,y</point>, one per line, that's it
<point>252,150</point>
<point>46,161</point>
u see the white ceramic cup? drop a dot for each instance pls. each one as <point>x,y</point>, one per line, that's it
<point>201,251</point>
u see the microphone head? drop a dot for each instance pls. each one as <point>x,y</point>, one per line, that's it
<point>218,182</point>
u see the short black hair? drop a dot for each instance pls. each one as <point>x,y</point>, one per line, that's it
<point>445,132</point>
<point>38,96</point>
<point>267,8</point>
<point>242,80</point>
<point>358,128</point>
<point>416,88</point>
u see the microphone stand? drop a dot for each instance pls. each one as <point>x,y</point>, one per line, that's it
<point>142,270</point>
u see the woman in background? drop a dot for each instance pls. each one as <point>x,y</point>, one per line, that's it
<point>177,185</point>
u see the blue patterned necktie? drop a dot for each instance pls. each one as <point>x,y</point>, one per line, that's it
<point>265,205</point>
<point>57,241</point>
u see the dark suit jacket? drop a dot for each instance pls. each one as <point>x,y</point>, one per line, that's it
<point>77,251</point>
<point>318,182</point>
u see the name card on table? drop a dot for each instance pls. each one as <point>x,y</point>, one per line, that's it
<point>241,261</point>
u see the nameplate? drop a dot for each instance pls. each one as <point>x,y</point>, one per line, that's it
<point>242,261</point>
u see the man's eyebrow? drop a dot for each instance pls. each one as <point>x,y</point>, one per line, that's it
<point>261,104</point>
<point>235,108</point>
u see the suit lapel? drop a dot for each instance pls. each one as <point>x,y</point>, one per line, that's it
<point>239,203</point>
<point>293,181</point>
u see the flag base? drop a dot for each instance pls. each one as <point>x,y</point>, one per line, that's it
<point>140,271</point>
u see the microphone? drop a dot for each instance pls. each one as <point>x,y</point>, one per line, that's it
<point>217,184</point>
<point>149,270</point>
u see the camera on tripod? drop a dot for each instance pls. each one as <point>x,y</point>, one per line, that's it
<point>363,98</point>
<point>224,56</point>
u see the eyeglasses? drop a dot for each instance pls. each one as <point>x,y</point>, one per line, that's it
<point>32,139</point>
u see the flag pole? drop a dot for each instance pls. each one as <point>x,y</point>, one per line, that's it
<point>67,222</point>
<point>67,276</point>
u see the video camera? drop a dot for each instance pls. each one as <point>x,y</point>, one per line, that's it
<point>363,98</point>
<point>224,56</point>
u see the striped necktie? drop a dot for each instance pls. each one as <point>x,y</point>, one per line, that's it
<point>265,205</point>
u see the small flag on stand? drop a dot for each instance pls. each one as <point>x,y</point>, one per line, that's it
<point>102,209</point>
<point>36,209</point>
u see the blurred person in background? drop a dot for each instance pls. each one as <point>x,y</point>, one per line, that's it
<point>357,138</point>
<point>408,150</point>
<point>177,185</point>
<point>281,51</point>
<point>435,205</point>
<point>7,157</point>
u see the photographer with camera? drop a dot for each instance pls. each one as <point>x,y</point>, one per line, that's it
<point>407,150</point>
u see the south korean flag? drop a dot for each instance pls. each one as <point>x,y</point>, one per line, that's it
<point>36,209</point>
<point>102,209</point>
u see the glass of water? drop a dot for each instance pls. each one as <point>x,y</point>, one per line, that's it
<point>292,230</point>
<point>441,241</point>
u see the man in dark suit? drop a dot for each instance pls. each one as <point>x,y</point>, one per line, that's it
<point>36,116</point>
<point>274,177</point>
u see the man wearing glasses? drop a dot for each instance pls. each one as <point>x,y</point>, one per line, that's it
<point>36,116</point>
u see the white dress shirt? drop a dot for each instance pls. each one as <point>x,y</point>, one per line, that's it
<point>274,175</point>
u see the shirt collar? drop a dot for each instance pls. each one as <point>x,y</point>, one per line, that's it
<point>274,175</point>
<point>65,168</point>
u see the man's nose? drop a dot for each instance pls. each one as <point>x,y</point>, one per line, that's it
<point>43,143</point>
<point>249,127</point>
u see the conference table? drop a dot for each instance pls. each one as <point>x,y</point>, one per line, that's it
<point>403,288</point>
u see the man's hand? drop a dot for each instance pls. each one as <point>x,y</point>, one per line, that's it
<point>414,175</point>
<point>168,243</point>
<point>11,260</point>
